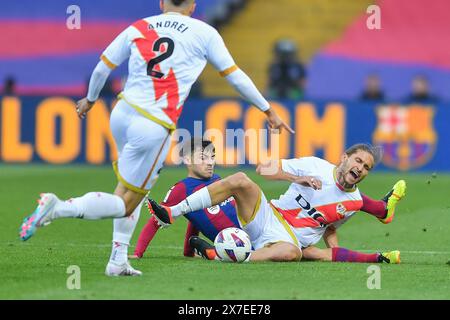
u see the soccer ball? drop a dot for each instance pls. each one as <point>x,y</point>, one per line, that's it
<point>233,245</point>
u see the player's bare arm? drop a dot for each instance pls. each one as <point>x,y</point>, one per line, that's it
<point>247,89</point>
<point>222,60</point>
<point>96,84</point>
<point>266,170</point>
<point>83,107</point>
<point>276,124</point>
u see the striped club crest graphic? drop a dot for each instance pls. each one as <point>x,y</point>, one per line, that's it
<point>406,134</point>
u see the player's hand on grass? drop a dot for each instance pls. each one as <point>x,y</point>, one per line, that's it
<point>308,181</point>
<point>276,125</point>
<point>83,107</point>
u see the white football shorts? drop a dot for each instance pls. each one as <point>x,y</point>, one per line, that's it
<point>267,226</point>
<point>142,146</point>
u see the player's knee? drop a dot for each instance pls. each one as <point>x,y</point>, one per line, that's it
<point>129,211</point>
<point>240,181</point>
<point>291,253</point>
<point>130,205</point>
<point>130,198</point>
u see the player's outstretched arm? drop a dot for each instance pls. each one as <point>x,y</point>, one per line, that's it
<point>247,89</point>
<point>96,84</point>
<point>113,56</point>
<point>219,56</point>
<point>271,170</point>
<point>276,124</point>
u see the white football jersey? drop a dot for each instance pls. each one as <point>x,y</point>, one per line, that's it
<point>309,212</point>
<point>167,53</point>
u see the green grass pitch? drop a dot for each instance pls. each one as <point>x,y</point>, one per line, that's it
<point>37,269</point>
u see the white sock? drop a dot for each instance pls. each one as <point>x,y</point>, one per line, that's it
<point>91,206</point>
<point>119,253</point>
<point>123,231</point>
<point>196,201</point>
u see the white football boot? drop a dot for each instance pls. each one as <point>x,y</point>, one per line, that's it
<point>125,269</point>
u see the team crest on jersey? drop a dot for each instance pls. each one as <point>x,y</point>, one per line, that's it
<point>341,209</point>
<point>406,134</point>
<point>213,210</point>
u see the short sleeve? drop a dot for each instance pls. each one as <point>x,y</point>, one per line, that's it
<point>218,54</point>
<point>299,166</point>
<point>175,195</point>
<point>119,50</point>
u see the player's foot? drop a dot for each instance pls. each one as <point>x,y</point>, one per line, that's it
<point>390,257</point>
<point>41,217</point>
<point>203,248</point>
<point>162,213</point>
<point>391,199</point>
<point>125,269</point>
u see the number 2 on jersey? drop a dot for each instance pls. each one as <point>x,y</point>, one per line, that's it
<point>153,62</point>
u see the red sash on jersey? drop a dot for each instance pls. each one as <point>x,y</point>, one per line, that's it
<point>166,85</point>
<point>324,214</point>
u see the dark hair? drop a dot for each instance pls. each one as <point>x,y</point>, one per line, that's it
<point>375,151</point>
<point>178,2</point>
<point>194,143</point>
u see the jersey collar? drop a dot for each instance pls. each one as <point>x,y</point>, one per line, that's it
<point>174,13</point>
<point>339,185</point>
<point>213,178</point>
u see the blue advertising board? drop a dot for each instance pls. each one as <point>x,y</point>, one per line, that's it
<point>413,136</point>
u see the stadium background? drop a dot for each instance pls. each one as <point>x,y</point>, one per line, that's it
<point>41,134</point>
<point>51,66</point>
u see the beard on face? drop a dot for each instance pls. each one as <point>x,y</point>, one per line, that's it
<point>344,171</point>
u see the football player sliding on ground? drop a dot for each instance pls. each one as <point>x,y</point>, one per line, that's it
<point>320,198</point>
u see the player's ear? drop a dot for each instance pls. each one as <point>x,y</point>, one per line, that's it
<point>192,8</point>
<point>161,5</point>
<point>344,157</point>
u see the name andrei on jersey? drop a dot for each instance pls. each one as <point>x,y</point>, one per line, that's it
<point>181,27</point>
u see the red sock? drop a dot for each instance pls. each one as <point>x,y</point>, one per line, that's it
<point>376,208</point>
<point>190,231</point>
<point>147,234</point>
<point>345,255</point>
